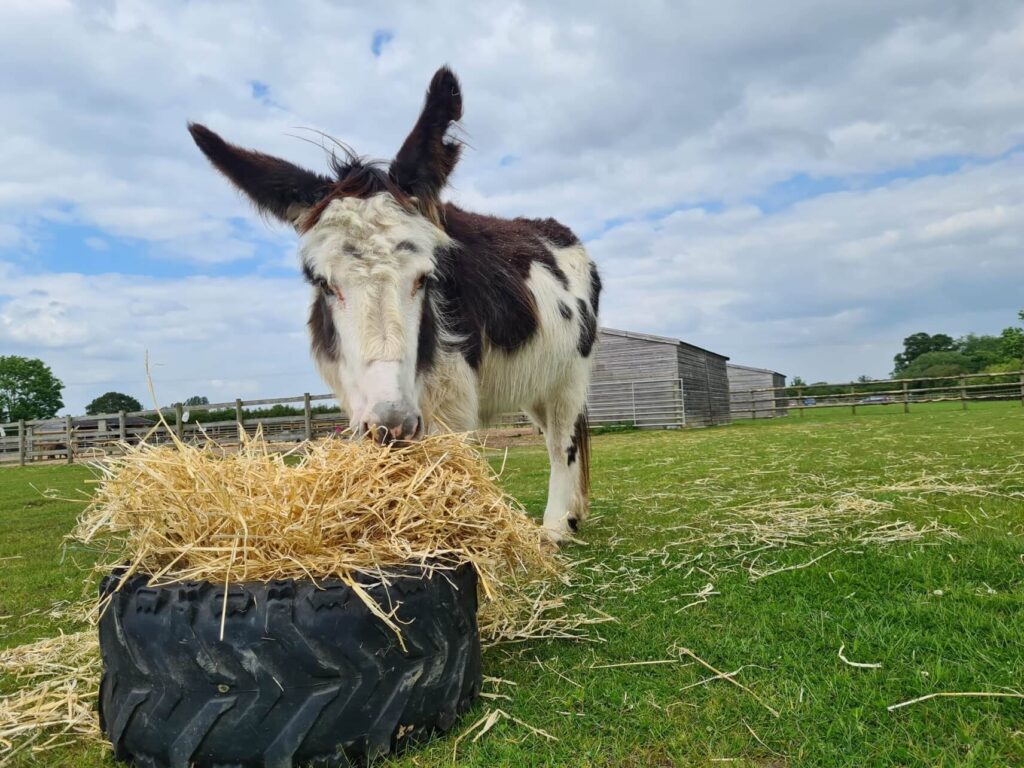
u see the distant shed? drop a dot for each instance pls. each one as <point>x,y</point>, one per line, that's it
<point>746,404</point>
<point>657,381</point>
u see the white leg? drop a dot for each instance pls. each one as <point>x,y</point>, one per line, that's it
<point>568,451</point>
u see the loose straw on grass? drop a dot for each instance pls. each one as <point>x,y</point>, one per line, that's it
<point>957,695</point>
<point>857,664</point>
<point>61,677</point>
<point>729,676</point>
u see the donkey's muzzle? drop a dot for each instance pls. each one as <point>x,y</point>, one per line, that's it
<point>389,423</point>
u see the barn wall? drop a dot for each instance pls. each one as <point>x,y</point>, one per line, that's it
<point>760,404</point>
<point>664,382</point>
<point>622,358</point>
<point>635,376</point>
<point>719,377</point>
<point>705,386</point>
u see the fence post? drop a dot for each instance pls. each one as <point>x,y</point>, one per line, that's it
<point>239,419</point>
<point>800,401</point>
<point>307,416</point>
<point>178,422</point>
<point>906,399</point>
<point>963,393</point>
<point>70,435</point>
<point>1022,389</point>
<point>30,437</point>
<point>853,403</point>
<point>632,391</point>
<point>122,426</point>
<point>21,440</point>
<point>753,405</point>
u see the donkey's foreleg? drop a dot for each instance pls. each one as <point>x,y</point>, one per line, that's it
<point>568,444</point>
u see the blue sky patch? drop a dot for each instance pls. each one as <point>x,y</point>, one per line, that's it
<point>654,216</point>
<point>260,91</point>
<point>801,186</point>
<point>79,248</point>
<point>381,38</point>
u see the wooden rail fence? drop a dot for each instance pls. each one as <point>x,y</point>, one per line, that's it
<point>772,402</point>
<point>653,403</point>
<point>644,403</point>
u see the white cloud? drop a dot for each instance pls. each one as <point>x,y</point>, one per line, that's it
<point>834,282</point>
<point>219,337</point>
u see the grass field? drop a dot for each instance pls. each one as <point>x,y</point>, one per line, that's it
<point>904,542</point>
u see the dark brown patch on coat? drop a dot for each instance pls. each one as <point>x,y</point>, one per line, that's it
<point>559,275</point>
<point>595,288</point>
<point>322,332</point>
<point>580,448</point>
<point>553,231</point>
<point>483,279</point>
<point>588,329</point>
<point>314,279</point>
<point>581,437</point>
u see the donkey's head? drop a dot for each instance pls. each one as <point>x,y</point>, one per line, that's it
<point>370,239</point>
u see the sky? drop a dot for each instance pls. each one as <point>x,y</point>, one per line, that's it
<point>797,185</point>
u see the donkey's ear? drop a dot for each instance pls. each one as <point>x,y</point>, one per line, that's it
<point>276,186</point>
<point>427,157</point>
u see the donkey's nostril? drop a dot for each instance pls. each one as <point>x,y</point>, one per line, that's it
<point>390,423</point>
<point>379,434</point>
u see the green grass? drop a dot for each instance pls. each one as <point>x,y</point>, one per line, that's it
<point>938,614</point>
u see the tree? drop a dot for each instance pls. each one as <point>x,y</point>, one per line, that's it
<point>864,378</point>
<point>112,402</point>
<point>932,365</point>
<point>797,382</point>
<point>28,389</point>
<point>919,344</point>
<point>197,400</point>
<point>982,351</point>
<point>1011,341</point>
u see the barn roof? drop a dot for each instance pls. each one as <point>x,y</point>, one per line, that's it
<point>659,340</point>
<point>752,368</point>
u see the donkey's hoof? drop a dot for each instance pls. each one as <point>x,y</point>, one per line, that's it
<point>555,537</point>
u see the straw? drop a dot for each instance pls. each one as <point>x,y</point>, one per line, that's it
<point>347,509</point>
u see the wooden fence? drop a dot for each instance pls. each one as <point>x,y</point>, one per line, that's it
<point>654,403</point>
<point>771,402</point>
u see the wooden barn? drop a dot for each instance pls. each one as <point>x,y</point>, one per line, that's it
<point>756,405</point>
<point>657,381</point>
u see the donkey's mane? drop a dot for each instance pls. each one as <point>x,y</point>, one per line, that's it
<point>358,177</point>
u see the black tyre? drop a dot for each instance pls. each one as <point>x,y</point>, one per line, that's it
<point>304,675</point>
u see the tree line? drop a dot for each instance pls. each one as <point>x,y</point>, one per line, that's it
<point>926,357</point>
<point>29,390</point>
